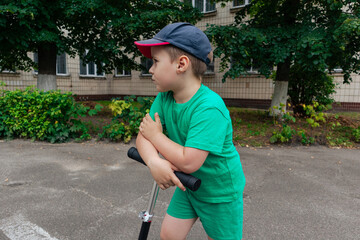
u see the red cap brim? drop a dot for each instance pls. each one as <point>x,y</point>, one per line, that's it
<point>145,46</point>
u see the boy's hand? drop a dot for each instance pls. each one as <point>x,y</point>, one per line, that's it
<point>148,128</point>
<point>163,173</point>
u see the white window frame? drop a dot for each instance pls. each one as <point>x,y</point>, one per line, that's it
<point>7,71</point>
<point>247,2</point>
<point>57,73</point>
<point>122,73</point>
<point>57,66</point>
<point>204,6</point>
<point>253,70</point>
<point>250,70</point>
<point>87,70</point>
<point>337,70</point>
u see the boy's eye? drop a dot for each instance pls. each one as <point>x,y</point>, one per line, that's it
<point>155,60</point>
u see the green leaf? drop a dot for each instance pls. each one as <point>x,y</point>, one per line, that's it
<point>310,121</point>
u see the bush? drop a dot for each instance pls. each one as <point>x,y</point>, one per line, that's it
<point>50,116</point>
<point>117,131</point>
<point>305,140</point>
<point>314,114</point>
<point>356,134</point>
<point>308,86</point>
<point>128,115</point>
<point>284,136</point>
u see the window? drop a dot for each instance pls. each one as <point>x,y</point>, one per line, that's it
<point>255,67</point>
<point>240,3</point>
<point>232,62</point>
<point>36,60</point>
<point>252,67</point>
<point>147,63</point>
<point>203,5</point>
<point>210,67</point>
<point>89,69</point>
<point>338,69</point>
<point>60,63</point>
<point>120,71</point>
<point>5,70</point>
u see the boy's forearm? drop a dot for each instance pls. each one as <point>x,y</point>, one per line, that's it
<point>186,159</point>
<point>160,169</point>
<point>146,149</point>
<point>173,152</point>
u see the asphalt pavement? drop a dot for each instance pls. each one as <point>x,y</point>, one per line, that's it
<point>92,190</point>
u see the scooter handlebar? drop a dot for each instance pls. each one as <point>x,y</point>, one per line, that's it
<point>187,180</point>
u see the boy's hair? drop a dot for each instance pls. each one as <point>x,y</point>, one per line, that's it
<point>198,67</point>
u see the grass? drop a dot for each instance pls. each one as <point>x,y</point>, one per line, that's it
<point>255,128</point>
<point>252,127</point>
<point>97,122</point>
<point>351,115</point>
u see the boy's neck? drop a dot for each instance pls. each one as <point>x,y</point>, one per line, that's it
<point>186,90</point>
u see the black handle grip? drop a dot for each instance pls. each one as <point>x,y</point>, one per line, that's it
<point>187,180</point>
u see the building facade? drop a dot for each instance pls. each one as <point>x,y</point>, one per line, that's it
<point>253,90</point>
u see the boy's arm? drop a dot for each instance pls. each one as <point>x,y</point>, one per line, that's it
<point>161,170</point>
<point>187,159</point>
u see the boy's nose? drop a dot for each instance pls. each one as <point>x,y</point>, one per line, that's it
<point>151,70</point>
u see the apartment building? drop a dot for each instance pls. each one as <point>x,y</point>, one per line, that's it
<point>253,90</point>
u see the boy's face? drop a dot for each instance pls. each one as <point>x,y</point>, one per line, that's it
<point>163,71</point>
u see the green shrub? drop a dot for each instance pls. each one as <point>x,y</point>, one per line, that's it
<point>128,115</point>
<point>116,131</point>
<point>287,117</point>
<point>2,88</point>
<point>314,114</point>
<point>284,116</point>
<point>309,85</point>
<point>284,136</point>
<point>356,134</point>
<point>50,116</point>
<point>305,140</point>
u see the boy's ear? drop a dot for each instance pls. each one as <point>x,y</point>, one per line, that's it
<point>183,64</point>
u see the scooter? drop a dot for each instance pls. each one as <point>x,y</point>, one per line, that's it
<point>187,180</point>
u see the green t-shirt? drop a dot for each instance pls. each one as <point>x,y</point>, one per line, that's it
<point>204,123</point>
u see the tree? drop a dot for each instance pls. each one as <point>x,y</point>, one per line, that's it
<point>316,35</point>
<point>106,29</point>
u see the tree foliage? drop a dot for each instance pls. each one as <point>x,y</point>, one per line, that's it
<point>107,28</point>
<point>317,35</point>
<point>308,87</point>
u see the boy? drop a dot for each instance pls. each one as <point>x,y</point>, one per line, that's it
<point>200,137</point>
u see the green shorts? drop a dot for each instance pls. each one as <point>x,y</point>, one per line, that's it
<point>220,220</point>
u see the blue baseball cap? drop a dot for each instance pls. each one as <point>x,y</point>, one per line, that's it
<point>185,36</point>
